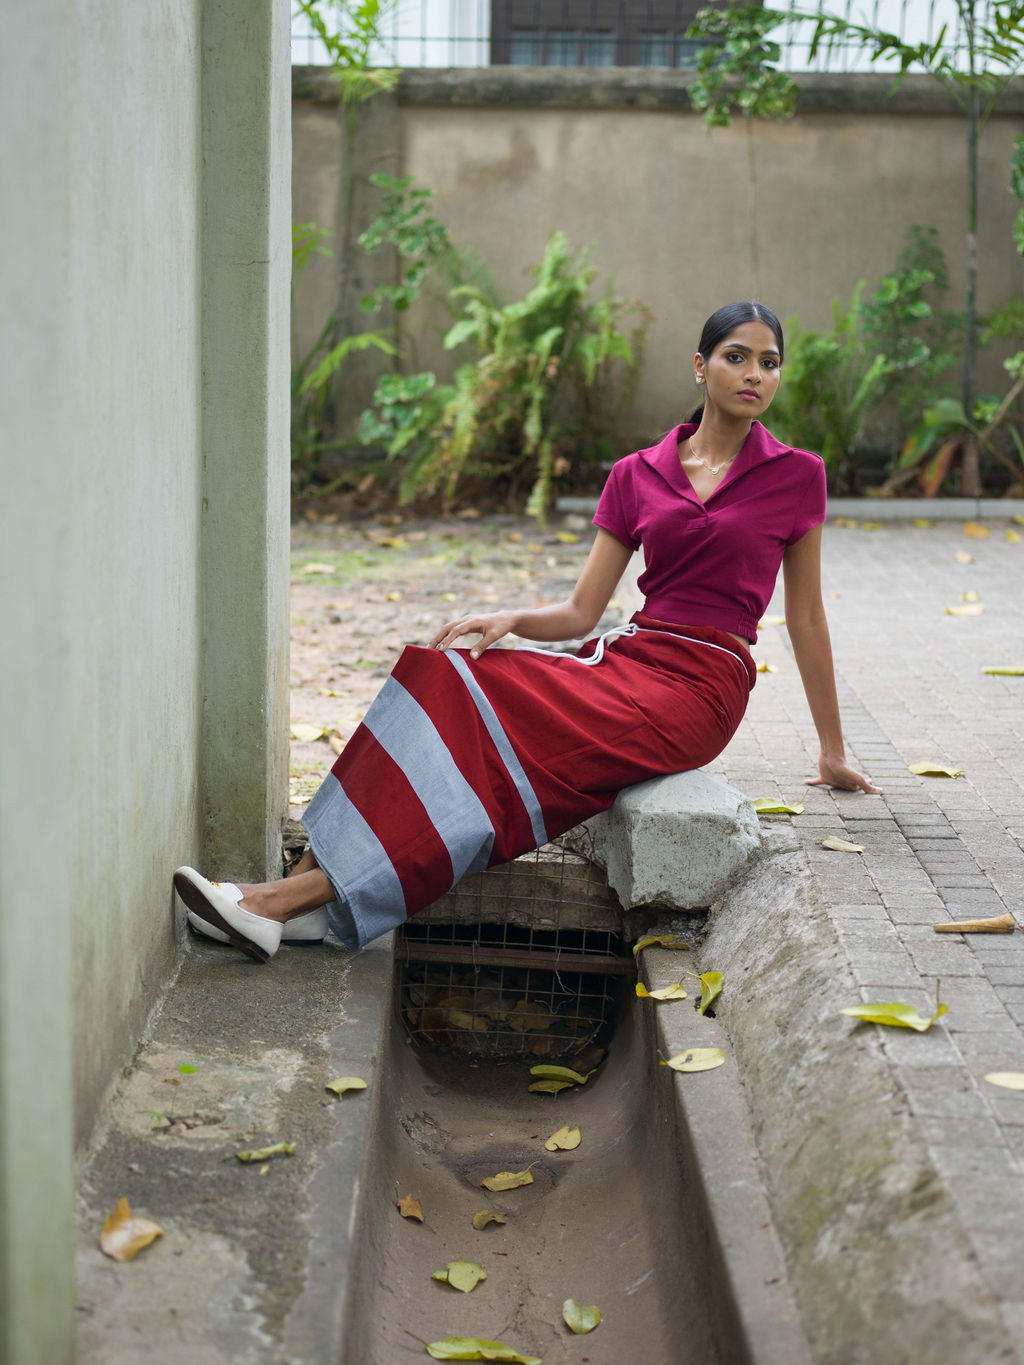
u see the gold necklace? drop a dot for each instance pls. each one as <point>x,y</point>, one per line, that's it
<point>713,468</point>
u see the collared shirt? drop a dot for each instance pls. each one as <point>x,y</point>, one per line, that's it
<point>713,563</point>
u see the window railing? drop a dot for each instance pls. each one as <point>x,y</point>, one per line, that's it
<point>609,33</point>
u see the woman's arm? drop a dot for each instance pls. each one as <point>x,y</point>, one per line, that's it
<point>568,620</point>
<point>808,630</point>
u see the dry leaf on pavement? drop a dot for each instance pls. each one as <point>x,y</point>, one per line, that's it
<point>124,1235</point>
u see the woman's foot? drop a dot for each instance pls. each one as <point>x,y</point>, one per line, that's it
<point>218,906</point>
<point>303,931</point>
<point>257,926</point>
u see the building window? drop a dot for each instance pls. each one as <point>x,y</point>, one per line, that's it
<point>593,32</point>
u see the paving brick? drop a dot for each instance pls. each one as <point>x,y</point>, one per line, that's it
<point>969,1130</point>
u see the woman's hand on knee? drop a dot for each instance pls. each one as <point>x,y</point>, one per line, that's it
<point>491,627</point>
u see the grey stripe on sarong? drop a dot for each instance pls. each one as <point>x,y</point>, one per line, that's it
<point>371,899</point>
<point>503,746</point>
<point>400,725</point>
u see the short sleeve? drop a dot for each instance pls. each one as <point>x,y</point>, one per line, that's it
<point>813,505</point>
<point>616,508</point>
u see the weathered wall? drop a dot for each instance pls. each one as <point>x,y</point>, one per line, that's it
<point>143,543</point>
<point>792,213</point>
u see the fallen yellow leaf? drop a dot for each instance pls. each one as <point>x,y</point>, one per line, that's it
<point>671,941</point>
<point>675,992</point>
<point>410,1207</point>
<point>568,537</point>
<point>394,596</point>
<point>1009,1080</point>
<point>970,609</point>
<point>962,557</point>
<point>485,1216</point>
<point>711,984</point>
<point>771,621</point>
<point>1014,537</point>
<point>579,1319</point>
<point>509,1180</point>
<point>696,1059</point>
<point>565,1140</point>
<point>894,1015</point>
<point>478,1348</point>
<point>559,1073</point>
<point>265,1153</point>
<point>124,1235</point>
<point>841,845</point>
<point>306,734</point>
<point>1004,670</point>
<point>318,568</point>
<point>970,596</point>
<point>934,770</point>
<point>871,526</point>
<point>767,805</point>
<point>923,521</point>
<point>763,666</point>
<point>975,530</point>
<point>462,1275</point>
<point>551,1087</point>
<point>345,1083</point>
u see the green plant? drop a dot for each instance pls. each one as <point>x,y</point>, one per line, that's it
<point>734,74</point>
<point>904,322</point>
<point>946,424</point>
<point>353,43</point>
<point>989,55</point>
<point>406,409</point>
<point>830,382</point>
<point>420,239</point>
<point>312,374</point>
<point>530,402</point>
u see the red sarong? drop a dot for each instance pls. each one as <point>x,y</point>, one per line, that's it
<point>464,763</point>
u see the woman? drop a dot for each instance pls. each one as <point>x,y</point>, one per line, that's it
<point>468,758</point>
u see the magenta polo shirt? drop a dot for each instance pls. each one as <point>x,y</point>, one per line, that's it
<point>713,563</point>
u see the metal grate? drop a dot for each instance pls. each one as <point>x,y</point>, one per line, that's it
<point>524,960</point>
<point>503,990</point>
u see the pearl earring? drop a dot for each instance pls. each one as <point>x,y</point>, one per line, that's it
<point>699,379</point>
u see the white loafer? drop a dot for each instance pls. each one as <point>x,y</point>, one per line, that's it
<point>301,932</point>
<point>216,904</point>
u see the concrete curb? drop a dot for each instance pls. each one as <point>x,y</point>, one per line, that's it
<point>712,1120</point>
<point>877,1254</point>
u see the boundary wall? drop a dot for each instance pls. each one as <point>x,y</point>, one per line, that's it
<point>144,265</point>
<point>792,213</point>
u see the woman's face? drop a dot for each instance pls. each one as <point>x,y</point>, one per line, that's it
<point>742,373</point>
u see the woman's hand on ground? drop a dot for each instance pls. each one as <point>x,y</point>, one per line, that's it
<point>491,627</point>
<point>833,772</point>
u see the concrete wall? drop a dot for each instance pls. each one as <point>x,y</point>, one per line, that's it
<point>143,542</point>
<point>793,213</point>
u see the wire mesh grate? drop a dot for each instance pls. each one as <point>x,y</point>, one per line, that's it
<point>505,991</point>
<point>524,960</point>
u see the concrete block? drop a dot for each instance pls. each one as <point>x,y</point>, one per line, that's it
<point>681,841</point>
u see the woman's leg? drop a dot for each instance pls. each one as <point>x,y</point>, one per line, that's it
<point>304,889</point>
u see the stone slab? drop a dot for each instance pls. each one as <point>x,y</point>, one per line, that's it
<point>679,841</point>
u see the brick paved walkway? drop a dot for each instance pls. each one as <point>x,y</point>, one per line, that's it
<point>912,689</point>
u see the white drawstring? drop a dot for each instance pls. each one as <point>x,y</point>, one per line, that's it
<point>630,629</point>
<point>627,630</point>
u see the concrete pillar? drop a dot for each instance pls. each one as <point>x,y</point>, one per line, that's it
<point>36,805</point>
<point>246,268</point>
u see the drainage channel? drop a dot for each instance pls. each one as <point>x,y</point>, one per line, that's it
<point>518,967</point>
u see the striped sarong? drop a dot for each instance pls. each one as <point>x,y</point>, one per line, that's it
<point>461,763</point>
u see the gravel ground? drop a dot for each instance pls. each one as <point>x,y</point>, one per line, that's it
<point>362,589</point>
